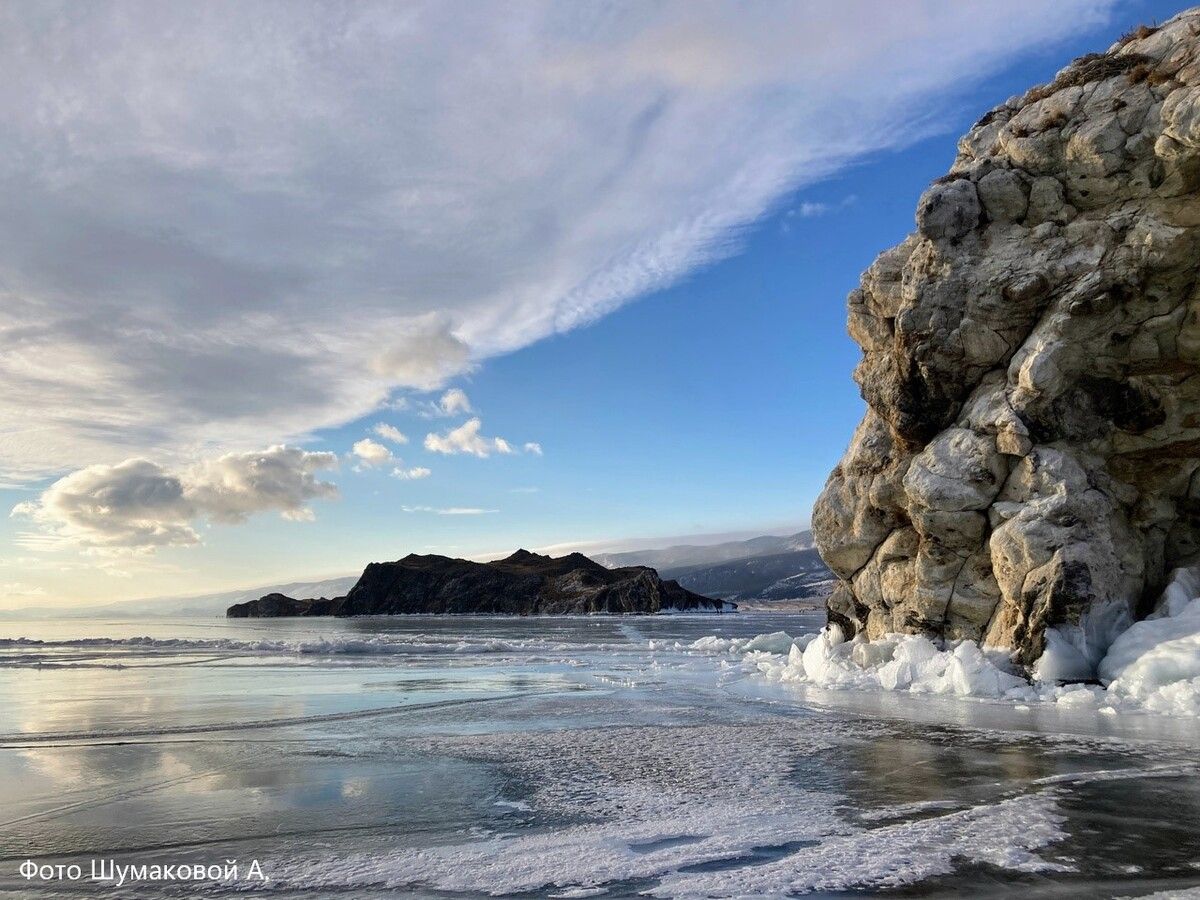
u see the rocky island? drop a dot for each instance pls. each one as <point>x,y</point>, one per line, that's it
<point>1025,473</point>
<point>523,584</point>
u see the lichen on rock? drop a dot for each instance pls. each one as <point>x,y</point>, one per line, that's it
<point>1031,366</point>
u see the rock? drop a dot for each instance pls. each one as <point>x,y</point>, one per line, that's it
<point>1047,201</point>
<point>522,584</point>
<point>1004,196</point>
<point>949,210</point>
<point>1030,451</point>
<point>272,606</point>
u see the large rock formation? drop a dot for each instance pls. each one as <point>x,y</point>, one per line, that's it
<point>1030,363</point>
<point>522,584</point>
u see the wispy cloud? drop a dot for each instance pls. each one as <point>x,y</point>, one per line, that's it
<point>453,402</point>
<point>812,209</point>
<point>329,202</point>
<point>449,510</point>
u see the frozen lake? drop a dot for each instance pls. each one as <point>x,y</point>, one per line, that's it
<point>560,757</point>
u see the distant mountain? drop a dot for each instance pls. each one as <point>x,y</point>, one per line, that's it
<point>794,575</point>
<point>523,584</point>
<point>677,557</point>
<point>194,606</point>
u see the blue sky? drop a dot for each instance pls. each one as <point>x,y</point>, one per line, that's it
<point>716,404</point>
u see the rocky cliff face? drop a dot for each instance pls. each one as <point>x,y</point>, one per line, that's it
<point>1026,467</point>
<point>522,584</point>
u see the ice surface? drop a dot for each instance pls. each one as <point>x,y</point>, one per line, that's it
<point>648,757</point>
<point>664,804</point>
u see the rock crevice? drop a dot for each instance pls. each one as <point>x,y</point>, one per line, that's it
<point>1028,457</point>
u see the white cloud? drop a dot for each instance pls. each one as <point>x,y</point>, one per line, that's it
<point>466,439</point>
<point>225,224</point>
<point>533,447</point>
<point>372,453</point>
<point>449,511</point>
<point>413,474</point>
<point>390,433</point>
<point>234,486</point>
<point>138,505</point>
<point>454,401</point>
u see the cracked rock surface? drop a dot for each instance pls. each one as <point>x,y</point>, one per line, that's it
<point>1031,366</point>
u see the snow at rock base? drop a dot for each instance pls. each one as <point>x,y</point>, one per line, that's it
<point>1153,665</point>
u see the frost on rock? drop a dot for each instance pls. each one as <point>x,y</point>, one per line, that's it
<point>1025,473</point>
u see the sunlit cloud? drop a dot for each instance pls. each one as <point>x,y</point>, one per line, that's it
<point>138,505</point>
<point>390,433</point>
<point>371,453</point>
<point>466,439</point>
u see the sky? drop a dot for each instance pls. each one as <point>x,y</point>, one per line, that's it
<point>289,287</point>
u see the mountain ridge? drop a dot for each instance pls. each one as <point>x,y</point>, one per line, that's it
<point>678,556</point>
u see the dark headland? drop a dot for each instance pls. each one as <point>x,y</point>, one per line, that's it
<point>524,584</point>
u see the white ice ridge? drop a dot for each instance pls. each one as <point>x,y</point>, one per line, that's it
<point>30,651</point>
<point>1154,665</point>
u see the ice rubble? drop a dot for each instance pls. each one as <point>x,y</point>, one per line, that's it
<point>1151,665</point>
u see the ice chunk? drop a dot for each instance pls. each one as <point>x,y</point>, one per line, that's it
<point>913,660</point>
<point>970,673</point>
<point>777,642</point>
<point>827,661</point>
<point>870,654</point>
<point>1062,659</point>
